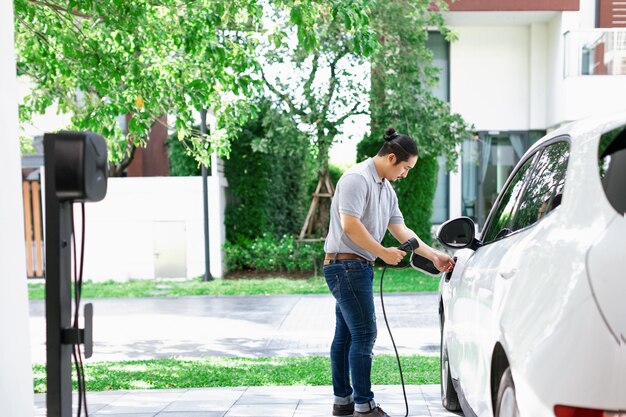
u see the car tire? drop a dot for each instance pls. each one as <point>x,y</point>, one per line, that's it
<point>506,402</point>
<point>449,397</point>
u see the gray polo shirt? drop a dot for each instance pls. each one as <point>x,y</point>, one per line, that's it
<point>361,193</point>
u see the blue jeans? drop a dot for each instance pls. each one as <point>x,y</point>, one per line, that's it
<point>350,282</point>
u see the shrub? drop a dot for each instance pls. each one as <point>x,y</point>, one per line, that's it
<point>268,253</point>
<point>268,173</point>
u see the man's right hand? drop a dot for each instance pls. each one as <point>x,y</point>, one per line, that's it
<point>392,256</point>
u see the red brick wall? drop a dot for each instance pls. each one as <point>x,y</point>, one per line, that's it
<point>513,5</point>
<point>152,161</point>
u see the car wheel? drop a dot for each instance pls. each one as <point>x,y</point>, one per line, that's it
<point>449,397</point>
<point>506,404</point>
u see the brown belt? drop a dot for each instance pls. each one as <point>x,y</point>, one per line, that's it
<point>345,256</point>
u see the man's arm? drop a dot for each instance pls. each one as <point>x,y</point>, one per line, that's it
<point>357,233</point>
<point>441,261</point>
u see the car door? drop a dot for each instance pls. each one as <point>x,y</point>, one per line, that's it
<point>532,190</point>
<point>472,294</point>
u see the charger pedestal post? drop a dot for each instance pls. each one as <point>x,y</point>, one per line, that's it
<point>76,171</point>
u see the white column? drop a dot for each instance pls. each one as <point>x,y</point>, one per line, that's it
<point>16,378</point>
<point>456,189</point>
<point>217,207</point>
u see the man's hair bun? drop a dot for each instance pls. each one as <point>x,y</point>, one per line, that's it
<point>390,134</point>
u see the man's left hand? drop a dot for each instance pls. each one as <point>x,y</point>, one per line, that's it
<point>443,262</point>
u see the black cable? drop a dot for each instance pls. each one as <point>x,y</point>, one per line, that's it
<point>393,342</point>
<point>80,290</point>
<point>78,283</point>
<point>75,321</point>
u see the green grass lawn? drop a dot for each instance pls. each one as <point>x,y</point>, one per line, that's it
<point>396,280</point>
<point>232,372</point>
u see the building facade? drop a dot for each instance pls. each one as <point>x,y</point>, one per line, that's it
<point>519,69</point>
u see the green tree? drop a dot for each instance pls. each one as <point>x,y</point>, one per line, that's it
<point>182,162</point>
<point>147,58</point>
<point>403,76</point>
<point>321,90</point>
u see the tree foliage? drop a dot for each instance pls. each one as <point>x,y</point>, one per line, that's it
<point>403,77</point>
<point>106,58</point>
<point>320,90</point>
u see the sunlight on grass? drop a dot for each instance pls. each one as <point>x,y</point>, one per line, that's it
<point>232,372</point>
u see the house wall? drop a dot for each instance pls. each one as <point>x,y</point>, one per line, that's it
<point>514,77</point>
<point>490,77</point>
<point>140,217</point>
<point>16,378</point>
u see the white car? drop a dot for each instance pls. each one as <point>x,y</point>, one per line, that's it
<point>533,317</point>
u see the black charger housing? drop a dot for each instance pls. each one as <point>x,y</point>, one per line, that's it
<point>80,165</point>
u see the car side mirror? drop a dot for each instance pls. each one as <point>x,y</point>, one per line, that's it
<point>458,233</point>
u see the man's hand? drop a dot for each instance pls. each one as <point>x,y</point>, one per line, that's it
<point>443,262</point>
<point>392,256</point>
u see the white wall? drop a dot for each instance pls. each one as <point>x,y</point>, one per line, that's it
<point>123,230</point>
<point>555,59</point>
<point>16,379</point>
<point>578,96</point>
<point>538,68</point>
<point>489,77</point>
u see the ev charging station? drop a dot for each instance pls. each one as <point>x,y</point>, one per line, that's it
<point>75,172</point>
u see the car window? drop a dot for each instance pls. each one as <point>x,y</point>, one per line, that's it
<point>544,191</point>
<point>612,167</point>
<point>500,219</point>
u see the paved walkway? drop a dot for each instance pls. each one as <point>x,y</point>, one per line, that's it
<point>289,401</point>
<point>250,326</point>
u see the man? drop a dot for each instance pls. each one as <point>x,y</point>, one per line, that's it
<point>364,207</point>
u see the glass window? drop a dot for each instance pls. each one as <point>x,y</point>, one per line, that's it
<point>470,160</point>
<point>499,224</point>
<point>488,161</point>
<point>439,46</point>
<point>543,193</point>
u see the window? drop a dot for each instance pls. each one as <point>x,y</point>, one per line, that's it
<point>545,190</point>
<point>499,225</point>
<point>535,190</point>
<point>488,159</point>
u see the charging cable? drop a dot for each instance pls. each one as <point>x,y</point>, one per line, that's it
<point>78,283</point>
<point>408,246</point>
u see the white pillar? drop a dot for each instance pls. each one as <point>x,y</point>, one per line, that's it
<point>16,378</point>
<point>456,189</point>
<point>217,208</point>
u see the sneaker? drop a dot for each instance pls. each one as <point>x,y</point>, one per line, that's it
<point>343,409</point>
<point>376,412</point>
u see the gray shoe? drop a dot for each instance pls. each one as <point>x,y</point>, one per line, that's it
<point>343,409</point>
<point>376,412</point>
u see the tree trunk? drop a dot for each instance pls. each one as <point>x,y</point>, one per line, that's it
<point>116,170</point>
<point>316,222</point>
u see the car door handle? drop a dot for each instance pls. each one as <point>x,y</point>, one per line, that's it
<point>508,273</point>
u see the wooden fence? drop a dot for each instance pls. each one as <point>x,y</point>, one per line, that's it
<point>33,228</point>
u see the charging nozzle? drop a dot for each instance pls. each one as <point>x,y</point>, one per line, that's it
<point>410,245</point>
